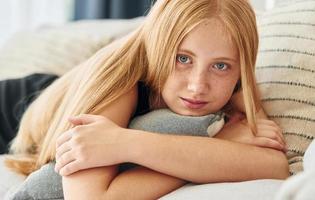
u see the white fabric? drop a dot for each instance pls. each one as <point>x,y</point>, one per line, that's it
<point>57,49</point>
<point>249,190</point>
<point>18,15</point>
<point>8,178</point>
<point>301,186</point>
<point>309,157</point>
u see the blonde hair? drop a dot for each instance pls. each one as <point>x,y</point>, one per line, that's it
<point>148,54</point>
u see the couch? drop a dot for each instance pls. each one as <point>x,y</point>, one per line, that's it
<point>285,75</point>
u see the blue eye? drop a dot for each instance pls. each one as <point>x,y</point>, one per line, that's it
<point>183,59</point>
<point>221,66</point>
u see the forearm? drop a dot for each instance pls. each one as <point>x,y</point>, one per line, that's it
<point>137,183</point>
<point>142,183</point>
<point>204,160</point>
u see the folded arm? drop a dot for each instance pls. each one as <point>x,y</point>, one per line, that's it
<point>168,161</point>
<point>105,182</point>
<point>205,160</point>
<point>224,158</point>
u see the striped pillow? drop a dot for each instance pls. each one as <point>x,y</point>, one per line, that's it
<point>285,72</point>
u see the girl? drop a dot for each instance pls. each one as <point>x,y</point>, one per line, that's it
<point>190,55</point>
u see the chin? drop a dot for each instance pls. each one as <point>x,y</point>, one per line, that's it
<point>193,113</point>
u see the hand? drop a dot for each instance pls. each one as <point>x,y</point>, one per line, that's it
<point>268,134</point>
<point>94,141</point>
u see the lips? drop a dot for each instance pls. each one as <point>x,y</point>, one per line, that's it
<point>194,104</point>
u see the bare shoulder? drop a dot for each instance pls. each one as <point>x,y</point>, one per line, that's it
<point>121,110</point>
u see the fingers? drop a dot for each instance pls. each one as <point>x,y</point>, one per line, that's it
<point>275,125</point>
<point>63,161</point>
<point>62,149</point>
<point>270,129</point>
<point>84,119</point>
<point>268,143</point>
<point>66,136</point>
<point>64,153</point>
<point>69,168</point>
<point>270,133</point>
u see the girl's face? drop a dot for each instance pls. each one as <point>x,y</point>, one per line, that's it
<point>207,70</point>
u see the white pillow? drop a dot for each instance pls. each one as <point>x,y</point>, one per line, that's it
<point>9,179</point>
<point>57,49</point>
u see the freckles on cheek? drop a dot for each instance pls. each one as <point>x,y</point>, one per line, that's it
<point>227,91</point>
<point>175,81</point>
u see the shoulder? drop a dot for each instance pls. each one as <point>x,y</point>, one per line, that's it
<point>121,110</point>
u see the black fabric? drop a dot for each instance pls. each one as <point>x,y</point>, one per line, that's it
<point>15,96</point>
<point>143,99</point>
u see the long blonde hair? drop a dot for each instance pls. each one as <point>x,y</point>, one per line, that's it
<point>148,54</point>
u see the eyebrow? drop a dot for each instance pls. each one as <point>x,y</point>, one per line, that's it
<point>217,58</point>
<point>226,59</point>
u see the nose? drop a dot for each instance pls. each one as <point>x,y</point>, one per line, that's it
<point>198,82</point>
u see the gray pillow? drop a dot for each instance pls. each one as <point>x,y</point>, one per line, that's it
<point>166,121</point>
<point>46,184</point>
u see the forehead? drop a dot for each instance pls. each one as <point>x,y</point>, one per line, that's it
<point>212,38</point>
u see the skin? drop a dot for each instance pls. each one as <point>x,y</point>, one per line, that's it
<point>164,163</point>
<point>207,70</point>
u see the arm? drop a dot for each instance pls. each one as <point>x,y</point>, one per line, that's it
<point>207,159</point>
<point>163,154</point>
<point>245,162</point>
<point>168,154</point>
<point>120,113</point>
<point>142,183</point>
<point>137,183</point>
<point>212,159</point>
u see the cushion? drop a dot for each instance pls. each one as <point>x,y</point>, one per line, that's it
<point>57,49</point>
<point>9,179</point>
<point>309,157</point>
<point>286,74</point>
<point>45,183</point>
<point>166,121</point>
<point>264,189</point>
<point>302,185</point>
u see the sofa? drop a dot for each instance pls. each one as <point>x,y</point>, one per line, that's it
<point>285,72</point>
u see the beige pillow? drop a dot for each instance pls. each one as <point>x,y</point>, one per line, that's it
<point>58,49</point>
<point>286,74</point>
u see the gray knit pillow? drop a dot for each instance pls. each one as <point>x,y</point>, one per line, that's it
<point>43,184</point>
<point>46,184</point>
<point>286,74</point>
<point>166,121</point>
